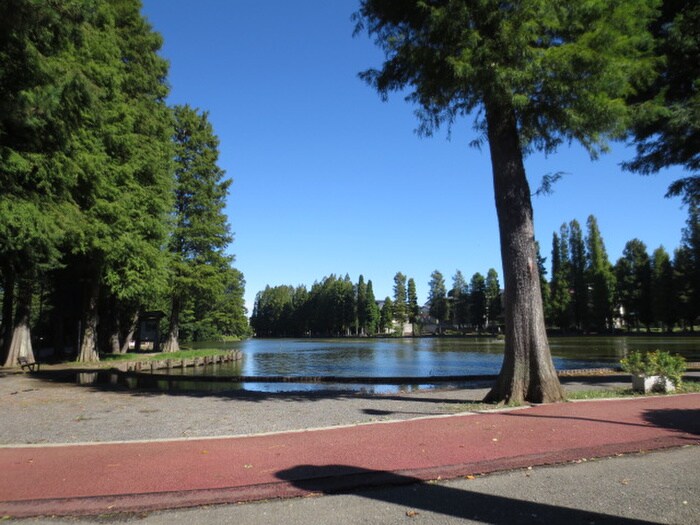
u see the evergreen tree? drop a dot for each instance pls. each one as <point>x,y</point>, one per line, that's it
<point>662,289</point>
<point>633,273</point>
<point>459,295</point>
<point>386,315</point>
<point>362,306</point>
<point>201,231</point>
<point>373,314</point>
<point>577,278</point>
<point>535,74</point>
<point>413,308</point>
<point>44,98</point>
<point>400,298</point>
<point>494,310</point>
<point>437,298</point>
<point>477,301</point>
<point>688,267</point>
<point>560,297</point>
<point>666,121</point>
<point>600,277</point>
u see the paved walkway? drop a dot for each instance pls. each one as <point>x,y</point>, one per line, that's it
<point>137,476</point>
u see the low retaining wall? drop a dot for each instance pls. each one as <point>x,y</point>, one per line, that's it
<point>169,364</point>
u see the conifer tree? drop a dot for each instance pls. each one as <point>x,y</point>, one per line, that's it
<point>577,279</point>
<point>437,298</point>
<point>477,301</point>
<point>413,308</point>
<point>663,295</point>
<point>201,233</point>
<point>400,299</point>
<point>493,298</point>
<point>560,297</point>
<point>600,277</point>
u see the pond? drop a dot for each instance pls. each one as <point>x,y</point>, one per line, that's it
<point>414,358</point>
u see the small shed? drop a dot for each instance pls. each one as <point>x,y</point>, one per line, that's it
<point>148,331</point>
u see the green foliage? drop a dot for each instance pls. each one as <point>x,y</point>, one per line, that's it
<point>413,308</point>
<point>477,301</point>
<point>667,112</point>
<point>437,297</point>
<point>459,294</point>
<point>656,363</point>
<point>633,274</point>
<point>600,277</point>
<point>563,66</point>
<point>400,298</point>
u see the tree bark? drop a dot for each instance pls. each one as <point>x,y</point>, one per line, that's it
<point>21,344</point>
<point>130,333</point>
<point>171,343</point>
<point>527,374</point>
<point>88,345</point>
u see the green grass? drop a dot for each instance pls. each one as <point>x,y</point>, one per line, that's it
<point>107,360</point>
<point>688,387</point>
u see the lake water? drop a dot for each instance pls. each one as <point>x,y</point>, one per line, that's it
<point>420,357</point>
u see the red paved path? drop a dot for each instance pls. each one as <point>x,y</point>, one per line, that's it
<point>99,478</point>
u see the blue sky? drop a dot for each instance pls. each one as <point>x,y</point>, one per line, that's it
<point>327,178</point>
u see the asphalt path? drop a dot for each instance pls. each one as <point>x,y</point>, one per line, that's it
<point>94,479</point>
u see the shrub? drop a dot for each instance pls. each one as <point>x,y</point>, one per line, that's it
<point>656,363</point>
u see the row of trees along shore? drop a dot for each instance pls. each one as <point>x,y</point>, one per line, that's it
<point>586,294</point>
<point>111,202</point>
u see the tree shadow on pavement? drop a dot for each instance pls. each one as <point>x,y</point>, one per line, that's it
<point>684,420</point>
<point>440,499</point>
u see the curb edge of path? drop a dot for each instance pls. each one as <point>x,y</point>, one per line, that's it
<point>149,502</point>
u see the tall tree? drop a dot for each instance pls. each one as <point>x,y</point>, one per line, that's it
<point>201,232</point>
<point>600,277</point>
<point>400,298</point>
<point>544,285</point>
<point>123,161</point>
<point>687,267</point>
<point>477,301</point>
<point>373,313</point>
<point>494,308</point>
<point>362,306</point>
<point>413,308</point>
<point>633,273</point>
<point>577,279</point>
<point>386,315</point>
<point>44,98</point>
<point>459,294</point>
<point>667,112</point>
<point>662,289</point>
<point>535,74</point>
<point>437,298</point>
<point>560,296</point>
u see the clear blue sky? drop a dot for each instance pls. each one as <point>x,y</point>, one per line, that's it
<point>327,178</point>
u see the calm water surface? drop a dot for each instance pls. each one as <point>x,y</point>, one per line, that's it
<point>423,356</point>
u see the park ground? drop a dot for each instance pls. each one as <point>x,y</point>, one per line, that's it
<point>660,487</point>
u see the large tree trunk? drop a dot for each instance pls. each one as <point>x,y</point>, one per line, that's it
<point>8,301</point>
<point>129,337</point>
<point>21,344</point>
<point>171,343</point>
<point>88,345</point>
<point>527,373</point>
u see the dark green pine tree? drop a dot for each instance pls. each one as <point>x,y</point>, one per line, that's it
<point>400,299</point>
<point>362,306</point>
<point>601,279</point>
<point>667,112</point>
<point>633,273</point>
<point>560,297</point>
<point>577,278</point>
<point>477,301</point>
<point>373,313</point>
<point>663,296</point>
<point>413,307</point>
<point>493,299</point>
<point>43,101</point>
<point>534,75</point>
<point>122,155</point>
<point>459,297</point>
<point>201,231</point>
<point>687,268</point>
<point>544,285</point>
<point>437,299</point>
<point>386,316</point>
